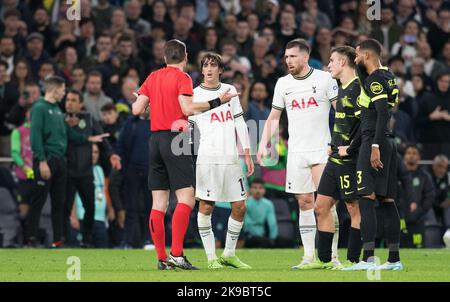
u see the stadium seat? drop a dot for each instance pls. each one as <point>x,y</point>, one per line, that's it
<point>9,219</point>
<point>433,237</point>
<point>282,210</point>
<point>286,227</point>
<point>433,231</point>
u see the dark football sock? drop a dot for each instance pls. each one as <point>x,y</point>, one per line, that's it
<point>354,245</point>
<point>368,226</point>
<point>392,230</point>
<point>324,248</point>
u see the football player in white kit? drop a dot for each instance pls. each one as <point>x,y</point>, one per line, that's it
<point>219,176</point>
<point>306,94</point>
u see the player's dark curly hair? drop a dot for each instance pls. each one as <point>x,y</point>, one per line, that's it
<point>212,57</point>
<point>372,45</point>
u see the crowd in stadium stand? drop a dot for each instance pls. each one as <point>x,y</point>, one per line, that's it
<point>109,52</point>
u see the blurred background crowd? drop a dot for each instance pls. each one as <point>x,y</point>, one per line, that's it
<point>106,54</point>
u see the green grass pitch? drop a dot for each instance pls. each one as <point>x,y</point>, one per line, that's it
<point>268,265</point>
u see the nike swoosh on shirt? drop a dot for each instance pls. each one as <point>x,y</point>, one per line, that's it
<point>359,189</point>
<point>348,193</point>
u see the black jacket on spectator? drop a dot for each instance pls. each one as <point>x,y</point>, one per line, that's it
<point>405,191</point>
<point>9,95</point>
<point>442,187</point>
<point>437,38</point>
<point>49,36</point>
<point>424,196</point>
<point>133,143</point>
<point>79,157</point>
<point>36,64</point>
<point>411,104</point>
<point>115,130</point>
<point>403,125</point>
<point>433,131</point>
<point>106,68</point>
<point>17,115</point>
<point>394,33</point>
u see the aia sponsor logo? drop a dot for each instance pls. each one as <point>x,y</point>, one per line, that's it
<point>221,117</point>
<point>304,104</point>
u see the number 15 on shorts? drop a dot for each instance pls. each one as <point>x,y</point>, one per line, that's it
<point>345,181</point>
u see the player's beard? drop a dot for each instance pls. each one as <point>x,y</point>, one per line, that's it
<point>362,67</point>
<point>296,71</point>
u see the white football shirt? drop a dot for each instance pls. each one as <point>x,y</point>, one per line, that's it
<point>218,143</point>
<point>307,101</point>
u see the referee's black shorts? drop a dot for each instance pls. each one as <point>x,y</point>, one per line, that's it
<point>339,180</point>
<point>170,163</point>
<point>384,181</point>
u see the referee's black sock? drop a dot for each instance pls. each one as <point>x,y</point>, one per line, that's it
<point>368,226</point>
<point>354,245</point>
<point>324,248</point>
<point>392,230</point>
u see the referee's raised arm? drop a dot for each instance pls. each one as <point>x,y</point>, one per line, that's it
<point>173,51</point>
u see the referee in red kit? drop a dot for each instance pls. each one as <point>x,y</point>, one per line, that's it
<point>168,91</point>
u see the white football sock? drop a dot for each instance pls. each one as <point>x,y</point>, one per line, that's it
<point>234,229</point>
<point>207,235</point>
<point>334,247</point>
<point>307,227</point>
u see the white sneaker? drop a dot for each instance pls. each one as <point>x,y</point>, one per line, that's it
<point>336,262</point>
<point>361,266</point>
<point>304,262</point>
<point>446,239</point>
<point>390,266</point>
<point>149,247</point>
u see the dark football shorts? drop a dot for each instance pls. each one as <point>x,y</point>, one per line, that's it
<point>171,166</point>
<point>384,181</point>
<point>339,180</point>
